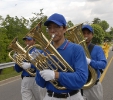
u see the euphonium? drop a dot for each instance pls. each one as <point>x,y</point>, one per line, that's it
<point>21,55</point>
<point>74,34</point>
<point>50,58</point>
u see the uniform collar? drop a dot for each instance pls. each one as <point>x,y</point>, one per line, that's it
<point>89,44</point>
<point>64,45</point>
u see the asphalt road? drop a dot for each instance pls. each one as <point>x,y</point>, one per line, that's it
<point>10,89</point>
<point>108,80</point>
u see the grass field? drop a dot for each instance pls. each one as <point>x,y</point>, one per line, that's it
<point>7,73</point>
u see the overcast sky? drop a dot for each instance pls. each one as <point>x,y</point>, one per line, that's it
<point>75,10</point>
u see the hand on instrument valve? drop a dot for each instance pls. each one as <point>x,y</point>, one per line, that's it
<point>34,55</point>
<point>47,74</point>
<point>26,65</point>
<point>88,60</point>
<point>15,55</point>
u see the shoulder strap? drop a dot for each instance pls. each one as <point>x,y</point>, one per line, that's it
<point>90,48</point>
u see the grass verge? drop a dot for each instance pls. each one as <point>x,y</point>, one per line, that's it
<point>7,73</point>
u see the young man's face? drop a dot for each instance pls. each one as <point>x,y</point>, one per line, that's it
<point>87,34</point>
<point>29,42</point>
<point>57,30</point>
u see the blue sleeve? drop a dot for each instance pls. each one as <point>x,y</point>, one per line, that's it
<point>100,61</point>
<point>39,80</point>
<point>18,68</point>
<point>75,80</point>
<point>32,66</point>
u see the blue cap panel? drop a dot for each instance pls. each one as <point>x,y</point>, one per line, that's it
<point>28,38</point>
<point>57,19</point>
<point>87,27</point>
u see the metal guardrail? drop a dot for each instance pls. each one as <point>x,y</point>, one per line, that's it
<point>6,65</point>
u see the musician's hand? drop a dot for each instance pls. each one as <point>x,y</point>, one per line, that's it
<point>88,60</point>
<point>34,55</point>
<point>47,74</point>
<point>26,65</point>
<point>15,55</point>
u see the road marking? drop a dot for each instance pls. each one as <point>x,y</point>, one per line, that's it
<point>13,79</point>
<point>103,74</point>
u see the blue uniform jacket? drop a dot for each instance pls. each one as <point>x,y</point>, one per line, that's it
<point>74,55</point>
<point>98,59</point>
<point>19,69</point>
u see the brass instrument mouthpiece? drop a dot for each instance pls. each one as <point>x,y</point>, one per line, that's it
<point>53,35</point>
<point>86,38</point>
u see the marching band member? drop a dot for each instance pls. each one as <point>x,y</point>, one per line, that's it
<point>105,48</point>
<point>73,54</point>
<point>97,61</point>
<point>29,89</point>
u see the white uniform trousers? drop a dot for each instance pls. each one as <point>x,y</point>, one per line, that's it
<point>30,90</point>
<point>77,96</point>
<point>94,93</point>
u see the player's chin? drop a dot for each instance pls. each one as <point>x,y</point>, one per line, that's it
<point>55,39</point>
<point>87,41</point>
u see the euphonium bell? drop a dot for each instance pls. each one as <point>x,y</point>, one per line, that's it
<point>74,34</point>
<point>21,55</point>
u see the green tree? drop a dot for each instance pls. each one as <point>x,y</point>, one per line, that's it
<point>10,28</point>
<point>98,34</point>
<point>36,19</point>
<point>1,20</point>
<point>108,36</point>
<point>14,26</point>
<point>104,25</point>
<point>96,21</point>
<point>111,31</point>
<point>3,44</point>
<point>69,24</point>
